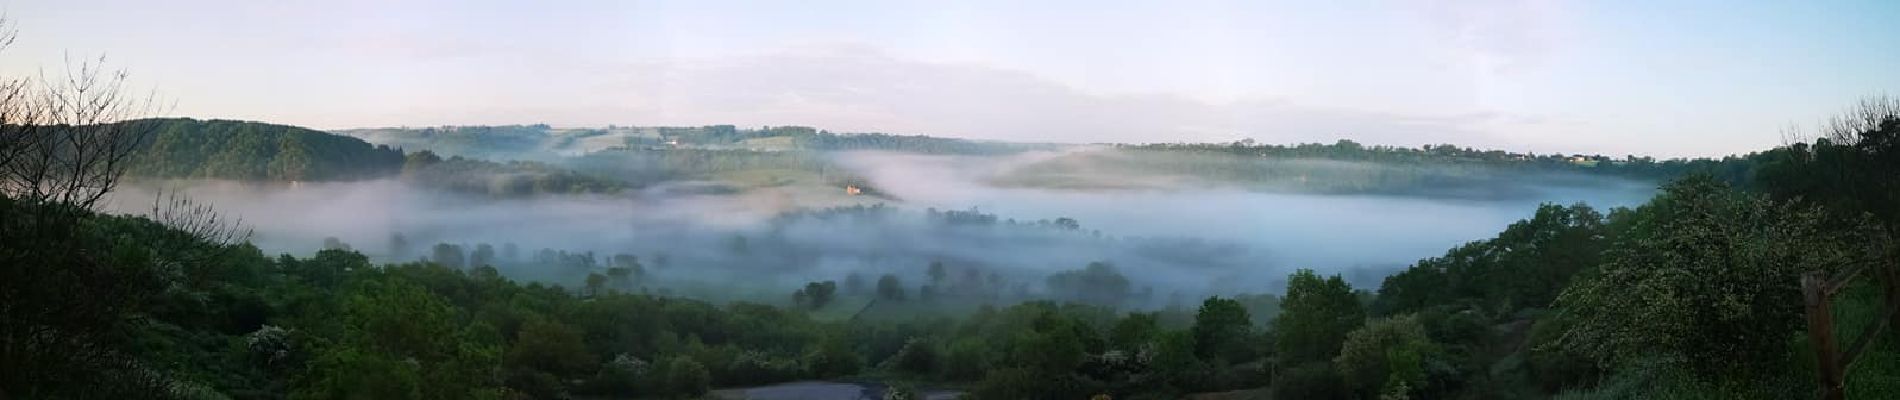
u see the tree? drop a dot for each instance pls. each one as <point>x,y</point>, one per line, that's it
<point>854,283</point>
<point>484,255</point>
<point>1526,265</point>
<point>1221,329</point>
<point>1098,283</point>
<point>1314,380</point>
<point>966,360</point>
<point>448,255</point>
<point>630,271</point>
<point>398,246</point>
<point>832,357</point>
<point>889,288</point>
<point>1386,356</point>
<point>918,356</point>
<point>1315,317</point>
<point>687,378</point>
<point>596,283</point>
<point>549,346</point>
<point>400,341</point>
<point>1134,330</point>
<point>816,295</point>
<point>1710,277</point>
<point>68,299</point>
<point>937,273</point>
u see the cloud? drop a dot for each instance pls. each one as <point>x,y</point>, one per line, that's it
<point>855,88</point>
<point>1499,36</point>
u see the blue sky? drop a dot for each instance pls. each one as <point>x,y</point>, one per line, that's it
<point>1646,77</point>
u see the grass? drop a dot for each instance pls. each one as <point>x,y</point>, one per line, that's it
<point>1876,374</point>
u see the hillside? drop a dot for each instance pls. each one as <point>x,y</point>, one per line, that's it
<point>224,149</point>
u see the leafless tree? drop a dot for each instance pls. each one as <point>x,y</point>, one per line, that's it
<point>1849,125</point>
<point>198,220</point>
<point>66,300</point>
<point>70,136</point>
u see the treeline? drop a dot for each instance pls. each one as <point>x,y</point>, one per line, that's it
<point>1135,168</point>
<point>540,142</point>
<point>513,178</point>
<point>1730,168</point>
<point>498,142</point>
<point>252,151</point>
<point>649,166</point>
<point>807,138</point>
<point>1393,169</point>
<point>223,149</point>
<point>194,318</point>
<point>1695,294</point>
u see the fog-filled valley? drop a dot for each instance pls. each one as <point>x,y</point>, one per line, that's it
<point>690,200</point>
<point>790,262</point>
<point>737,228</point>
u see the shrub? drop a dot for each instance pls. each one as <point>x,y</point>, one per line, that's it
<point>1310,381</point>
<point>685,377</point>
<point>1385,353</point>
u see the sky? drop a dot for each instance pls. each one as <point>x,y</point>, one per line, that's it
<point>1661,78</point>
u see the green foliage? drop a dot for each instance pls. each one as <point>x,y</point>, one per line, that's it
<point>188,148</point>
<point>1315,317</point>
<point>918,357</point>
<point>1314,380</point>
<point>902,392</point>
<point>889,288</point>
<point>1386,356</point>
<point>1555,367</point>
<point>687,378</point>
<point>1134,330</point>
<point>1098,283</point>
<point>551,347</point>
<point>509,179</point>
<point>1690,296</point>
<point>1346,167</point>
<point>1524,266</point>
<point>1025,383</point>
<point>1222,331</point>
<point>400,330</point>
<point>816,295</point>
<point>968,359</point>
<point>1708,276</point>
<point>832,358</point>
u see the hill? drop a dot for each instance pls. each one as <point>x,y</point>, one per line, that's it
<point>224,149</point>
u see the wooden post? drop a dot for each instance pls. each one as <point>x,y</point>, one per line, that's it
<point>1827,356</point>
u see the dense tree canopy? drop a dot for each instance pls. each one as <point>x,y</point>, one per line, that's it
<point>189,148</point>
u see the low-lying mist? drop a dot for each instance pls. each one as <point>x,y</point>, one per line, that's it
<point>1173,238</point>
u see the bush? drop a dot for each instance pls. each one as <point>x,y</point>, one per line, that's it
<point>832,358</point>
<point>1555,368</point>
<point>1310,381</point>
<point>1025,383</point>
<point>967,360</point>
<point>1385,354</point>
<point>685,377</point>
<point>1709,276</point>
<point>902,392</point>
<point>754,367</point>
<point>623,376</point>
<point>919,356</point>
<point>535,384</point>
